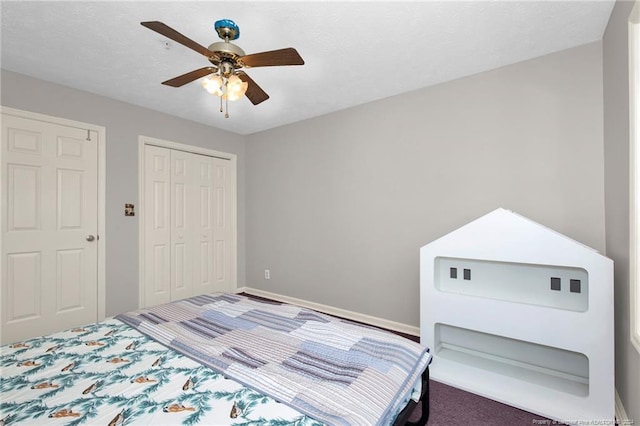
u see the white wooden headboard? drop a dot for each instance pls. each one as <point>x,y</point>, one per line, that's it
<point>521,314</point>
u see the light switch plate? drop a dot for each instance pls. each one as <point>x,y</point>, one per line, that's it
<point>129,210</point>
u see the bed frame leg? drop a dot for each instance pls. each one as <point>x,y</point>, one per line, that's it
<point>405,414</point>
<point>424,399</point>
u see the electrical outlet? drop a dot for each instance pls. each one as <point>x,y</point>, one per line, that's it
<point>267,274</point>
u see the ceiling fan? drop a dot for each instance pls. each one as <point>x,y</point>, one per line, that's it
<point>225,77</point>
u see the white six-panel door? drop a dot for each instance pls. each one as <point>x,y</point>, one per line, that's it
<point>188,224</point>
<point>49,228</point>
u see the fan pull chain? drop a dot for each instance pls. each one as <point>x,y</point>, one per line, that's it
<point>225,92</point>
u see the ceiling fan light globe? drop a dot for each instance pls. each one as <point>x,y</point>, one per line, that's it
<point>213,85</point>
<point>236,88</point>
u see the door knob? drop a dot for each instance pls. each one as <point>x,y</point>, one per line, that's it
<point>90,238</point>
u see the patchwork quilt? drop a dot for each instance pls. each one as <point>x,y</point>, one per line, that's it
<point>332,370</point>
<point>110,374</point>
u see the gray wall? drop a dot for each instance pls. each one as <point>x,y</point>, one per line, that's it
<point>339,206</point>
<point>616,139</point>
<point>124,123</point>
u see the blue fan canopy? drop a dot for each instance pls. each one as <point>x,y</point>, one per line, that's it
<point>228,23</point>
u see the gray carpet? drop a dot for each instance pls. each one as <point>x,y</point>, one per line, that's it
<point>451,407</point>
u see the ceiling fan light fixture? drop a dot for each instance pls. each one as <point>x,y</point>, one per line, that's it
<point>213,84</point>
<point>235,88</point>
<point>228,89</point>
<point>225,78</point>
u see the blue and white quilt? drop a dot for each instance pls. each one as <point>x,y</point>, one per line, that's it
<point>333,370</point>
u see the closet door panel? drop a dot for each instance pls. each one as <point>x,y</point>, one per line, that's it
<point>157,229</point>
<point>223,225</point>
<point>182,224</point>
<point>203,279</point>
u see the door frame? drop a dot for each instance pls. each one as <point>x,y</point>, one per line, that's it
<point>233,158</point>
<point>100,132</point>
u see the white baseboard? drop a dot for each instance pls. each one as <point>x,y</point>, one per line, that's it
<point>354,316</point>
<point>621,414</point>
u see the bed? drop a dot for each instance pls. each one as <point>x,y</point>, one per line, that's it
<point>216,359</point>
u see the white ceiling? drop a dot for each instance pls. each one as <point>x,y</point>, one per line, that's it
<point>355,52</point>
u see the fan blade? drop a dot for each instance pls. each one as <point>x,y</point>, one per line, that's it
<point>183,79</point>
<point>254,92</point>
<point>288,56</point>
<point>169,32</point>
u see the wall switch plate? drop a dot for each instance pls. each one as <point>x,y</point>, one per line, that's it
<point>129,210</point>
<point>267,274</point>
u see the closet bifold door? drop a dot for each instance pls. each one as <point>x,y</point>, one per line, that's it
<point>157,225</point>
<point>223,226</point>
<point>191,224</point>
<point>182,226</point>
<point>188,225</point>
<point>201,213</point>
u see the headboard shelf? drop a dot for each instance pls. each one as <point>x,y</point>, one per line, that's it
<point>545,366</point>
<point>515,282</point>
